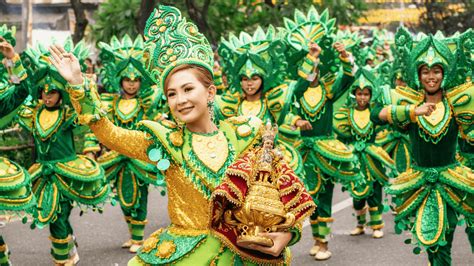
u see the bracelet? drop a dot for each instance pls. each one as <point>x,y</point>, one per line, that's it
<point>389,114</point>
<point>412,113</point>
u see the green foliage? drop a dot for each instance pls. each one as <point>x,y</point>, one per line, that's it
<point>119,17</point>
<point>115,17</point>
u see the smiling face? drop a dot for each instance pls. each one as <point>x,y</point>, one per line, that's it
<point>131,87</point>
<point>188,96</point>
<point>362,98</point>
<point>51,98</point>
<point>431,78</point>
<point>251,86</point>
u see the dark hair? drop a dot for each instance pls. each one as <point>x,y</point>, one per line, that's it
<point>202,74</point>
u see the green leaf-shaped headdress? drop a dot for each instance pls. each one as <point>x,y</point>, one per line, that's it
<point>372,78</point>
<point>313,27</point>
<point>452,54</point>
<point>124,59</point>
<point>351,40</point>
<point>43,74</point>
<point>172,41</point>
<point>261,54</point>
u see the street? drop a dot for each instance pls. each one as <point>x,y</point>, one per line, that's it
<point>101,235</point>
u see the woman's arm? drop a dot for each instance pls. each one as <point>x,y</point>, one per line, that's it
<point>86,102</point>
<point>131,143</point>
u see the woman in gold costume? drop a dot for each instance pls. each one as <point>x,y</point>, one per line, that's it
<point>193,153</point>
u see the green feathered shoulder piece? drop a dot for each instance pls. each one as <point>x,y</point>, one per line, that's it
<point>125,59</point>
<point>260,54</point>
<point>451,53</point>
<point>43,74</point>
<point>307,28</point>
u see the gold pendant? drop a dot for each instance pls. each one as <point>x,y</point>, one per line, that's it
<point>437,115</point>
<point>212,151</point>
<point>251,108</point>
<point>361,118</point>
<point>127,106</point>
<point>47,119</point>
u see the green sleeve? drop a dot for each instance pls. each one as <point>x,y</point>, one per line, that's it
<point>305,71</point>
<point>295,234</point>
<point>343,80</point>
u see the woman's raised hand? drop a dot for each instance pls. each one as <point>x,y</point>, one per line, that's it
<point>6,48</point>
<point>67,64</point>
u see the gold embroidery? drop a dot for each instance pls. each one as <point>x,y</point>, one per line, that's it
<point>176,138</point>
<point>211,150</point>
<point>361,118</point>
<point>47,119</point>
<point>120,139</point>
<point>437,115</point>
<point>187,207</point>
<point>127,106</point>
<point>313,96</point>
<point>165,249</point>
<point>251,108</point>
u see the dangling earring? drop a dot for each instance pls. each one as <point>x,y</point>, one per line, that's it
<point>179,123</point>
<point>210,109</point>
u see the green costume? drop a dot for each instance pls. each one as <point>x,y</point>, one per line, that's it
<point>326,159</point>
<point>16,195</point>
<point>60,177</point>
<point>130,177</point>
<point>262,55</point>
<point>194,164</point>
<point>354,127</point>
<point>432,195</point>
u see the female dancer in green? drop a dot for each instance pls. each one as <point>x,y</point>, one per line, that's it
<point>16,195</point>
<point>60,177</point>
<point>194,153</point>
<point>124,71</point>
<point>352,125</point>
<point>434,107</point>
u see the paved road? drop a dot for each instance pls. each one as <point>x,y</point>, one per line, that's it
<point>100,237</point>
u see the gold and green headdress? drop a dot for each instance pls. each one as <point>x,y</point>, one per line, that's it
<point>303,30</point>
<point>261,54</point>
<point>373,78</point>
<point>124,59</point>
<point>452,54</point>
<point>42,73</point>
<point>351,40</point>
<point>172,41</point>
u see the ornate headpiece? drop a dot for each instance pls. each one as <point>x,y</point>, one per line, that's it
<point>313,27</point>
<point>124,59</point>
<point>351,40</point>
<point>172,41</point>
<point>372,78</point>
<point>261,54</point>
<point>42,72</point>
<point>451,53</point>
